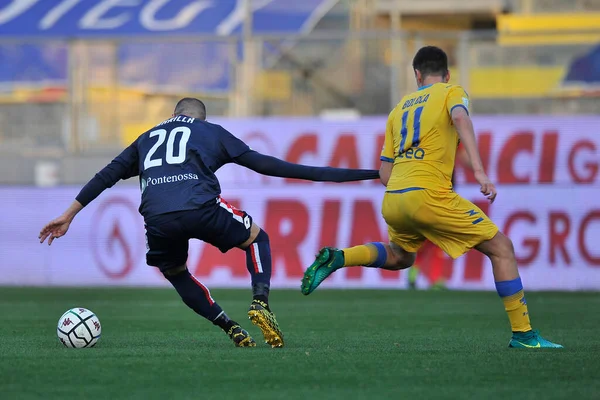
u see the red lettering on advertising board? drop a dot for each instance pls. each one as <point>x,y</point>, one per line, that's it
<point>560,226</point>
<point>545,160</point>
<point>330,220</point>
<point>287,225</point>
<point>548,161</point>
<point>559,230</point>
<point>519,143</point>
<point>585,251</point>
<point>590,167</point>
<point>211,257</point>
<point>530,244</point>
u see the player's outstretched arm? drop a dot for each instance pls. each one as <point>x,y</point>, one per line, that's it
<point>466,132</point>
<point>124,166</point>
<point>272,166</point>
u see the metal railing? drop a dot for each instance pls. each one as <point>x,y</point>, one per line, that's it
<point>87,96</point>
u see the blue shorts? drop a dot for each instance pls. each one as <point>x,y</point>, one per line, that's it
<point>217,223</point>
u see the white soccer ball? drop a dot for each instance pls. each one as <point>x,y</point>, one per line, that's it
<point>78,328</point>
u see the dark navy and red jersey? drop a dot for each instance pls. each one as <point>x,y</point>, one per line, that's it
<point>176,163</point>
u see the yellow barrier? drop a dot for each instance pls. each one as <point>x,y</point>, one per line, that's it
<point>503,82</point>
<point>548,29</point>
<point>548,22</point>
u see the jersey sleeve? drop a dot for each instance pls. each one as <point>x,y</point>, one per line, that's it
<point>458,97</point>
<point>272,166</point>
<point>387,153</point>
<point>232,146</point>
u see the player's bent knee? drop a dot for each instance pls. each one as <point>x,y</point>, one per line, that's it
<point>400,258</point>
<point>409,260</point>
<point>406,261</point>
<point>503,246</point>
<point>255,230</point>
<point>500,246</point>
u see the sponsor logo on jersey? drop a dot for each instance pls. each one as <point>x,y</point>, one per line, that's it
<point>166,179</point>
<point>465,102</point>
<point>414,153</point>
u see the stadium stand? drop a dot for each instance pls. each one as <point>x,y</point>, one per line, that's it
<point>512,56</point>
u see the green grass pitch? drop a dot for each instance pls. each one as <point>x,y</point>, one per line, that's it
<point>339,345</point>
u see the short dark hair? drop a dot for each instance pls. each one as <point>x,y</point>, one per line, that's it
<point>431,60</point>
<point>191,107</point>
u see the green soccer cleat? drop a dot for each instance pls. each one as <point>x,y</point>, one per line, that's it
<point>240,337</point>
<point>531,340</point>
<point>327,262</point>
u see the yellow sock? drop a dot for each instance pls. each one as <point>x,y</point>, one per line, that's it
<point>515,305</point>
<point>368,255</point>
<point>516,308</point>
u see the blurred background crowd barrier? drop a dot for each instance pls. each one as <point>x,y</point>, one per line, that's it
<point>83,77</point>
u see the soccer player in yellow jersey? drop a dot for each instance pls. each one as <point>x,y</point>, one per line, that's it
<point>422,135</point>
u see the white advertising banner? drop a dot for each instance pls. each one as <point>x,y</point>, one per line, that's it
<point>546,169</point>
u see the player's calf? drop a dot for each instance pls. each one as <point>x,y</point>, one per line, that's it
<point>258,263</point>
<point>197,297</point>
<point>379,255</point>
<point>501,253</point>
<point>374,255</point>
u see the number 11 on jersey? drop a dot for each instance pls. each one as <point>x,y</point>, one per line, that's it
<point>415,131</point>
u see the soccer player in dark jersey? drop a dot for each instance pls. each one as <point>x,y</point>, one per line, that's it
<point>176,163</point>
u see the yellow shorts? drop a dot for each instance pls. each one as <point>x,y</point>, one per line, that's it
<point>452,223</point>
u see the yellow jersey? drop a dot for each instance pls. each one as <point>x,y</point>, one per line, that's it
<point>421,140</point>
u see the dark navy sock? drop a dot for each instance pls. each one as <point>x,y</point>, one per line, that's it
<point>223,322</point>
<point>258,262</point>
<point>195,295</point>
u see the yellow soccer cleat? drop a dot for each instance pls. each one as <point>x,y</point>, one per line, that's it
<point>261,316</point>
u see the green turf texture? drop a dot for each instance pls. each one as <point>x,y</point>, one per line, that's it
<point>339,345</point>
